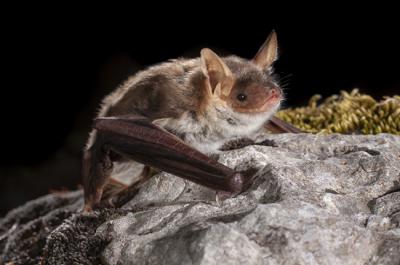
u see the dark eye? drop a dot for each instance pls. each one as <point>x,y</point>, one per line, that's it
<point>241,97</point>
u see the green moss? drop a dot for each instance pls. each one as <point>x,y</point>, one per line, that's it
<point>347,113</point>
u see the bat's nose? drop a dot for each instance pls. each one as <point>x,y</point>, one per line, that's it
<point>275,92</point>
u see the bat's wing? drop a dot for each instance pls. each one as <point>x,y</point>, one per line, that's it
<point>137,138</point>
<point>276,125</point>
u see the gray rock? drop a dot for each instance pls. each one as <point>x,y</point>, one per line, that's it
<point>316,200</point>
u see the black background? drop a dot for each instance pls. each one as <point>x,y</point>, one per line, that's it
<point>58,64</point>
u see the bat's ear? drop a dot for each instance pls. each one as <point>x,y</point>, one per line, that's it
<point>219,76</point>
<point>268,52</point>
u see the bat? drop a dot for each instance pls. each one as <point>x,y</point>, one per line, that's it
<point>173,115</point>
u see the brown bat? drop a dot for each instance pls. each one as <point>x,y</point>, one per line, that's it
<point>172,114</point>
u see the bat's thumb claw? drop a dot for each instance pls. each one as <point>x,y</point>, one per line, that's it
<point>236,183</point>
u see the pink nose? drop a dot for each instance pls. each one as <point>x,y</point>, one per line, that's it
<point>274,92</point>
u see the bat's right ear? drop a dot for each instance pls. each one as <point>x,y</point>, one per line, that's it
<point>219,76</point>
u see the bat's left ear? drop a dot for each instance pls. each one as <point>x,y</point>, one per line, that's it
<point>219,76</point>
<point>268,52</point>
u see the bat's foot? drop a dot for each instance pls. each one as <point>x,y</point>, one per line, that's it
<point>87,209</point>
<point>88,212</point>
<point>92,201</point>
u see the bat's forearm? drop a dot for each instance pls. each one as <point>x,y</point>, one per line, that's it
<point>146,143</point>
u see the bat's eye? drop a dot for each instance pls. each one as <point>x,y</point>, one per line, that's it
<point>241,97</point>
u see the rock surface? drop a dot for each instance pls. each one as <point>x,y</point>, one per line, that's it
<point>317,200</point>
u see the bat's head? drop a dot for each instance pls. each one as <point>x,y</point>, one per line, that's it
<point>245,87</point>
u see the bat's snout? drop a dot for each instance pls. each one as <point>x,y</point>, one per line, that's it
<point>275,93</point>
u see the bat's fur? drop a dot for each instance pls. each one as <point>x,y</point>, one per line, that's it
<point>196,99</point>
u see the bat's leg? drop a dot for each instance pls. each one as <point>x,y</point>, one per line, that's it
<point>137,138</point>
<point>96,168</point>
<point>97,183</point>
<point>276,125</point>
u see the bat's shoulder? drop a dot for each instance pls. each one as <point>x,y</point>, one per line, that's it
<point>166,75</point>
<point>171,69</point>
<point>164,87</point>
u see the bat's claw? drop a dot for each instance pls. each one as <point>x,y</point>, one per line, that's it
<point>222,195</point>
